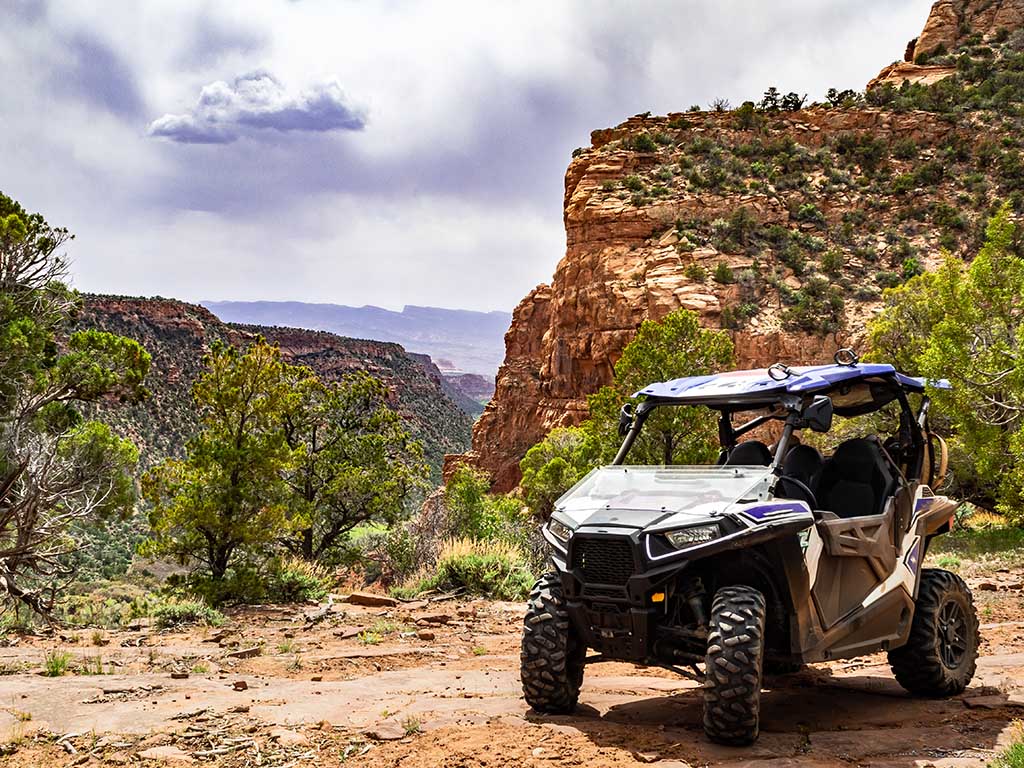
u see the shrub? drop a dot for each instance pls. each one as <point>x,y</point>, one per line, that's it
<point>723,273</point>
<point>56,663</point>
<point>929,174</point>
<point>793,257</point>
<point>818,307</point>
<point>832,262</point>
<point>640,143</point>
<point>809,212</point>
<point>186,612</point>
<point>911,267</point>
<point>844,98</point>
<point>747,117</point>
<point>104,604</point>
<point>476,514</point>
<point>696,272</point>
<point>887,279</point>
<point>904,149</point>
<point>771,101</point>
<point>555,464</point>
<point>903,183</point>
<point>295,580</point>
<point>488,568</point>
<point>736,316</point>
<point>793,101</point>
<point>633,183</point>
<point>949,562</point>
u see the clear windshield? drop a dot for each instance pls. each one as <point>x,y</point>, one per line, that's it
<point>672,489</point>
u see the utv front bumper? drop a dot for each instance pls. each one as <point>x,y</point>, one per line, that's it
<point>620,583</point>
<point>608,582</point>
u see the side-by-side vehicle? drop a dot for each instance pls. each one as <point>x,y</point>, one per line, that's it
<point>773,558</point>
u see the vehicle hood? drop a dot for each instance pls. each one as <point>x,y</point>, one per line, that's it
<point>659,497</point>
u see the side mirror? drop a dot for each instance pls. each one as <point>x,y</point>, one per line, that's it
<point>817,416</point>
<point>625,419</point>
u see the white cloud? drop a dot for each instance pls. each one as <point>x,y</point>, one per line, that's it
<point>257,101</point>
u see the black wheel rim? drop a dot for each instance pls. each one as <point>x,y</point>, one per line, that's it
<point>952,631</point>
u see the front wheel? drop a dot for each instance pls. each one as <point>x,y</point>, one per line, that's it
<point>732,681</point>
<point>551,662</point>
<point>941,654</point>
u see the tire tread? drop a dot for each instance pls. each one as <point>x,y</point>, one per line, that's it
<point>917,665</point>
<point>551,659</point>
<point>732,685</point>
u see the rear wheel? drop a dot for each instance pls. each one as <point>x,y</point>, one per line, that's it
<point>551,662</point>
<point>940,657</point>
<point>732,683</point>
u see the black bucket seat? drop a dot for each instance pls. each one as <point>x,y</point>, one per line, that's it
<point>801,470</point>
<point>856,480</point>
<point>749,453</point>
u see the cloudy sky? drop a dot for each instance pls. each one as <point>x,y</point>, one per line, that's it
<point>384,152</point>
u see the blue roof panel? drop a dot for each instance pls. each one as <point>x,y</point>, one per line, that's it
<point>749,385</point>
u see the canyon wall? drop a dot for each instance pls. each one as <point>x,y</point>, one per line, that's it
<point>178,335</point>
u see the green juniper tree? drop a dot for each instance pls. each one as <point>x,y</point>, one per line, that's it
<point>355,463</point>
<point>965,323</point>
<point>57,469</point>
<point>227,500</point>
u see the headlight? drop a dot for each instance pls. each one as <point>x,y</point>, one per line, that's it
<point>687,537</point>
<point>559,531</point>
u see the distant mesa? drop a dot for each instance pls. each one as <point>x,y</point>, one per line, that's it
<point>457,340</point>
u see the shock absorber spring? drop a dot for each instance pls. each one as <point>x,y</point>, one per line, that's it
<point>694,593</point>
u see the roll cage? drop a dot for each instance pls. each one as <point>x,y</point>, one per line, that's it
<point>799,397</point>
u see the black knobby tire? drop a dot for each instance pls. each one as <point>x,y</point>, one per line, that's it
<point>551,662</point>
<point>941,654</point>
<point>732,683</point>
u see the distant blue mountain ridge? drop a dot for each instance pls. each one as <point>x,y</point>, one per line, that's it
<point>460,339</point>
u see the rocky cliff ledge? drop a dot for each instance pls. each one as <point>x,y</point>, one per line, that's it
<point>782,227</point>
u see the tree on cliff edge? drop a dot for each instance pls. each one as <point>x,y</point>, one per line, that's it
<point>674,347</point>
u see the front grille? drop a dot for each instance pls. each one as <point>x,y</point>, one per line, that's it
<point>589,590</point>
<point>603,561</point>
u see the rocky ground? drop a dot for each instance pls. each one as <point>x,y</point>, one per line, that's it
<point>436,684</point>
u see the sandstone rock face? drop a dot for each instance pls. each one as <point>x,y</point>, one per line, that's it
<point>953,21</point>
<point>834,204</point>
<point>623,265</point>
<point>949,26</point>
<point>899,71</point>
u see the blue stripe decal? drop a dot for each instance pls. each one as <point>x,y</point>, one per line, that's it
<point>913,557</point>
<point>773,510</point>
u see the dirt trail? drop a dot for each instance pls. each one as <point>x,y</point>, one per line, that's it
<point>441,688</point>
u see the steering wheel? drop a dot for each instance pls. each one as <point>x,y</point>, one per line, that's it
<point>803,487</point>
